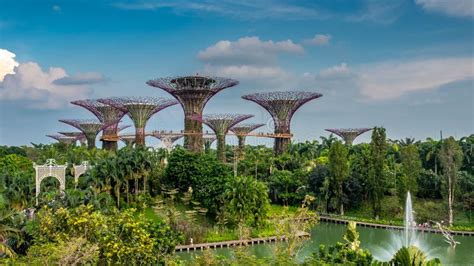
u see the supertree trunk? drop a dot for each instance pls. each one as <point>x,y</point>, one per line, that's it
<point>241,149</point>
<point>221,148</point>
<point>241,142</point>
<point>140,136</point>
<point>107,144</point>
<point>281,144</point>
<point>90,142</point>
<point>193,142</point>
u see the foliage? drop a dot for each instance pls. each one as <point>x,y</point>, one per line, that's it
<point>121,237</point>
<point>203,173</point>
<point>450,157</point>
<point>377,174</point>
<point>286,187</point>
<point>338,169</point>
<point>347,253</point>
<point>411,169</point>
<point>16,181</point>
<point>246,201</point>
<point>410,256</point>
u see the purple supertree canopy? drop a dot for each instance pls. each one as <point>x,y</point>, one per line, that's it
<point>120,128</point>
<point>87,126</point>
<point>139,109</point>
<point>208,140</point>
<point>193,92</point>
<point>188,84</point>
<point>105,113</point>
<point>221,123</point>
<point>348,134</point>
<point>76,134</point>
<point>282,105</point>
<point>244,129</point>
<point>163,135</point>
<point>63,139</point>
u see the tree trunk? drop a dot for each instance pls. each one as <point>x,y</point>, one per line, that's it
<point>221,147</point>
<point>450,201</point>
<point>140,136</point>
<point>193,142</point>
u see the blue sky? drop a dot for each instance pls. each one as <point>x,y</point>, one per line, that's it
<point>406,65</point>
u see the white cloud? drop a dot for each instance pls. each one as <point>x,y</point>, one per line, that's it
<point>7,63</point>
<point>40,89</point>
<point>456,8</point>
<point>248,58</point>
<point>393,79</point>
<point>247,50</point>
<point>319,39</point>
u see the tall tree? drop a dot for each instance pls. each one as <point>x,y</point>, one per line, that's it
<point>377,175</point>
<point>338,169</point>
<point>450,158</point>
<point>411,169</point>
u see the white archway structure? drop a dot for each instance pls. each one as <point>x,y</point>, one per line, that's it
<point>50,168</point>
<point>80,170</point>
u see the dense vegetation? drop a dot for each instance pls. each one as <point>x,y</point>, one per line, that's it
<point>136,205</point>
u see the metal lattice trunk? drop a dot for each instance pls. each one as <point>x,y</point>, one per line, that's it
<point>208,140</point>
<point>241,131</point>
<point>90,128</point>
<point>282,105</point>
<point>193,92</point>
<point>220,124</point>
<point>139,109</point>
<point>108,115</point>
<point>348,134</point>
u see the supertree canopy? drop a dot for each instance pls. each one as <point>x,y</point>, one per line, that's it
<point>348,134</point>
<point>89,127</point>
<point>282,106</point>
<point>128,140</point>
<point>241,131</point>
<point>63,139</point>
<point>193,92</point>
<point>220,124</point>
<point>75,134</point>
<point>167,139</point>
<point>106,114</point>
<point>139,109</point>
<point>208,140</point>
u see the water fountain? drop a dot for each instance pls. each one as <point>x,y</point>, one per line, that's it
<point>409,237</point>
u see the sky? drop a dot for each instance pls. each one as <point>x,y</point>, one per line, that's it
<point>406,65</point>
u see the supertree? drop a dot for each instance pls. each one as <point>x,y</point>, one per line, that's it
<point>63,139</point>
<point>139,109</point>
<point>193,92</point>
<point>123,127</point>
<point>166,139</point>
<point>75,134</point>
<point>241,131</point>
<point>128,140</point>
<point>208,140</point>
<point>106,114</point>
<point>220,124</point>
<point>282,105</point>
<point>89,127</point>
<point>348,134</point>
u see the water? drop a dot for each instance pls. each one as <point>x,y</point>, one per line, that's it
<point>377,241</point>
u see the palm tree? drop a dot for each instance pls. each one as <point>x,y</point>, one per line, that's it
<point>5,232</point>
